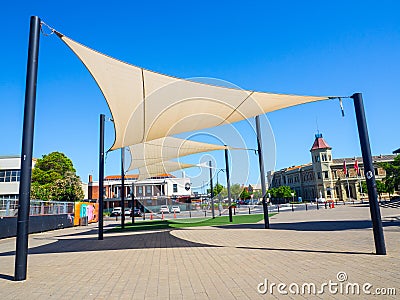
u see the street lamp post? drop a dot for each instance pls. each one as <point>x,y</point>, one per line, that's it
<point>228,185</point>
<point>262,173</point>
<point>211,191</point>
<point>219,193</point>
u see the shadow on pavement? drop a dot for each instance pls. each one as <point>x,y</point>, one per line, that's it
<point>7,277</point>
<point>316,225</point>
<point>116,242</point>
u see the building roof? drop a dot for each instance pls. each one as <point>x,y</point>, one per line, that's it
<point>135,176</point>
<point>376,158</point>
<point>293,168</point>
<point>319,143</point>
<point>9,156</point>
<point>396,151</point>
<point>118,177</point>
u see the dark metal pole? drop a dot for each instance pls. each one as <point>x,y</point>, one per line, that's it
<point>122,188</point>
<point>21,253</point>
<point>228,184</point>
<point>212,191</point>
<point>262,173</point>
<point>369,174</point>
<point>101,176</point>
<point>133,203</point>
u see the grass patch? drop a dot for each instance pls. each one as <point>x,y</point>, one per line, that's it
<point>193,222</point>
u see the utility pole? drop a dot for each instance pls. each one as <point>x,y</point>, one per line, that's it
<point>21,253</point>
<point>262,173</point>
<point>369,174</point>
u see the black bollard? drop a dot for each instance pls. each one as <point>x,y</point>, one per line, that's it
<point>249,210</point>
<point>306,206</point>
<point>292,207</point>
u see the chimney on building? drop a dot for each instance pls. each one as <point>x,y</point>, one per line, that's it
<point>90,178</point>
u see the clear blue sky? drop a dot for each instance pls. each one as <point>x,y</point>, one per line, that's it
<point>299,47</point>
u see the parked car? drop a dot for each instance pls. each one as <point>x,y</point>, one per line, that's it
<point>176,209</point>
<point>164,209</point>
<point>136,212</point>
<point>117,211</point>
<point>128,211</point>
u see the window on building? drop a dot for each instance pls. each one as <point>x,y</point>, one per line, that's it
<point>175,188</point>
<point>319,175</point>
<point>326,174</point>
<point>316,158</point>
<point>334,174</point>
<point>376,171</point>
<point>140,190</point>
<point>329,157</point>
<point>10,175</point>
<point>149,190</point>
<point>324,157</point>
<point>328,191</point>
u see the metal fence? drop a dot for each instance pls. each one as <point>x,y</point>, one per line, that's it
<point>9,208</point>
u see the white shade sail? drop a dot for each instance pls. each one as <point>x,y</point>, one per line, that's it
<point>164,149</point>
<point>161,168</point>
<point>146,105</point>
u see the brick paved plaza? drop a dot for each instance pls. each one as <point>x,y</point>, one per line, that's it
<point>226,262</point>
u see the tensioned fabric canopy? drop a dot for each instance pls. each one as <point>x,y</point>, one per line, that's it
<point>164,149</point>
<point>146,105</point>
<point>162,168</point>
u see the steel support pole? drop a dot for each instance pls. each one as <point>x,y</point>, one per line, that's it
<point>21,253</point>
<point>228,184</point>
<point>133,203</point>
<point>211,191</point>
<point>262,173</point>
<point>122,188</point>
<point>101,176</point>
<point>379,238</point>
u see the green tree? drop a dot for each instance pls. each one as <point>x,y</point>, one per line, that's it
<point>257,194</point>
<point>273,192</point>
<point>54,178</point>
<point>245,194</point>
<point>281,192</point>
<point>218,189</point>
<point>285,191</point>
<point>236,189</point>
<point>224,192</point>
<point>392,179</point>
<point>380,188</point>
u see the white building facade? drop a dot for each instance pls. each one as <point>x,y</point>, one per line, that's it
<point>10,172</point>
<point>164,188</point>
